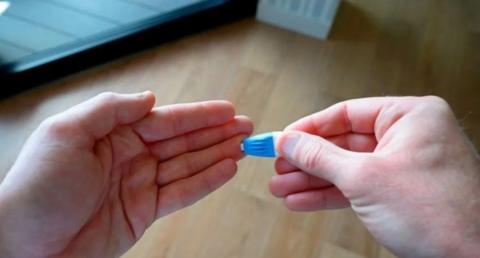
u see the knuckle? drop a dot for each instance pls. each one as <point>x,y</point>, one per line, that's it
<point>55,126</point>
<point>273,187</point>
<point>107,96</point>
<point>105,100</point>
<point>436,107</point>
<point>172,119</point>
<point>312,156</point>
<point>437,103</point>
<point>435,99</point>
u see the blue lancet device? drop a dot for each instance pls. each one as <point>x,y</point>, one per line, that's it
<point>262,145</point>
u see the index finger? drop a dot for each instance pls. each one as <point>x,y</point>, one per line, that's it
<point>170,121</point>
<point>351,116</point>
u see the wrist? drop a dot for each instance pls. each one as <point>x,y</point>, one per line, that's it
<point>464,248</point>
<point>4,252</point>
<point>467,216</point>
<point>469,246</point>
<point>7,203</point>
<point>465,244</point>
<point>453,229</point>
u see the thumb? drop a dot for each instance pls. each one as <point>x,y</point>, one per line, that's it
<point>98,116</point>
<point>317,156</point>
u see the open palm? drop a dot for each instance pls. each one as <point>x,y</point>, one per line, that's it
<point>91,180</point>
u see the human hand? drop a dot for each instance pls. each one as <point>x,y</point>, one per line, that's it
<point>402,164</point>
<point>91,180</point>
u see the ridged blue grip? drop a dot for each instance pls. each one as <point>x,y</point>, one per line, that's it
<point>262,145</point>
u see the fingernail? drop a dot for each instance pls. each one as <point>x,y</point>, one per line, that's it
<point>145,93</point>
<point>290,141</point>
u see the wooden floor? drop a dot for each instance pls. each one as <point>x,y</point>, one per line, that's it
<point>382,47</point>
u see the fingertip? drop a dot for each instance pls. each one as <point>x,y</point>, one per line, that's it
<point>289,202</point>
<point>223,102</point>
<point>286,143</point>
<point>142,103</point>
<point>149,97</point>
<point>246,124</point>
<point>222,111</point>
<point>296,202</point>
<point>228,107</point>
<point>238,145</point>
<point>273,186</point>
<point>323,199</point>
<point>282,166</point>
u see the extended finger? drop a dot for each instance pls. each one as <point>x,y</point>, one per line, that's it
<point>294,182</point>
<point>329,198</point>
<point>356,116</point>
<point>189,164</point>
<point>185,192</point>
<point>200,139</point>
<point>282,166</point>
<point>170,121</point>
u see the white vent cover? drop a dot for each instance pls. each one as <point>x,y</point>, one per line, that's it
<point>311,17</point>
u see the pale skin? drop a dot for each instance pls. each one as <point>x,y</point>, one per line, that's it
<point>402,164</point>
<point>91,180</point>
